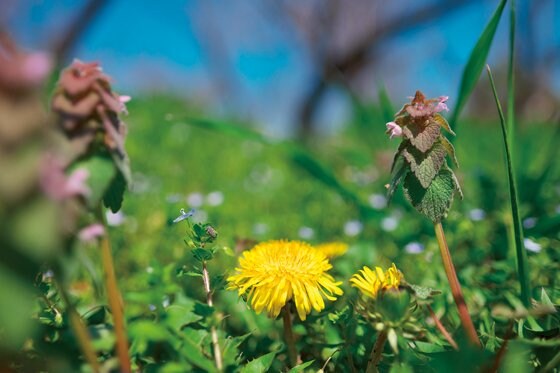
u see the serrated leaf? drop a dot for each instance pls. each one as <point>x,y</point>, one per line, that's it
<point>435,201</point>
<point>301,367</point>
<point>425,165</point>
<point>457,185</point>
<point>422,136</point>
<point>442,122</point>
<point>450,149</point>
<point>260,364</point>
<point>423,292</point>
<point>400,169</point>
<point>113,197</point>
<point>202,254</point>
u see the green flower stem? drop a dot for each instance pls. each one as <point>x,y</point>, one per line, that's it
<point>289,335</point>
<point>554,363</point>
<point>213,331</point>
<point>115,303</point>
<point>455,286</point>
<point>441,328</point>
<point>377,349</point>
<point>77,325</point>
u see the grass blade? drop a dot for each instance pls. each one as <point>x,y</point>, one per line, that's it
<point>475,64</point>
<point>522,266</point>
<point>511,80</point>
<point>385,104</point>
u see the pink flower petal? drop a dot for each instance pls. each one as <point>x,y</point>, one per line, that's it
<point>91,232</point>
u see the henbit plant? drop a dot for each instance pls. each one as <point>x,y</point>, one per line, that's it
<point>89,117</point>
<point>428,182</point>
<point>198,237</point>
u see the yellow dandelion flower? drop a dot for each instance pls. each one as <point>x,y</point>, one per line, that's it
<point>370,281</point>
<point>275,272</point>
<point>332,249</point>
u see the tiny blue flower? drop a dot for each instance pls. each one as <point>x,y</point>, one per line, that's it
<point>184,215</point>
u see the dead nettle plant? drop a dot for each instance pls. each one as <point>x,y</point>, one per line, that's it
<point>94,161</point>
<point>429,184</point>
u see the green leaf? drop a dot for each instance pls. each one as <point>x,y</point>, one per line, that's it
<point>202,254</point>
<point>450,150</point>
<point>301,367</point>
<point>425,166</point>
<point>191,350</point>
<point>435,201</point>
<point>423,292</point>
<point>522,265</point>
<point>442,122</point>
<point>422,136</point>
<point>475,64</point>
<point>113,197</point>
<point>400,169</point>
<point>228,128</point>
<point>101,174</point>
<point>260,364</point>
<point>178,316</point>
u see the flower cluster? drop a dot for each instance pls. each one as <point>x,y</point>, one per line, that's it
<point>428,182</point>
<point>88,106</point>
<point>372,281</point>
<point>276,272</point>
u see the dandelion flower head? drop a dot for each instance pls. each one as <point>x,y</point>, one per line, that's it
<point>332,249</point>
<point>275,272</point>
<point>370,281</point>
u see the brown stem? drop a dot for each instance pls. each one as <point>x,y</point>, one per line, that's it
<point>455,286</point>
<point>289,335</point>
<point>115,303</point>
<point>441,328</point>
<point>82,335</point>
<point>213,331</point>
<point>375,355</point>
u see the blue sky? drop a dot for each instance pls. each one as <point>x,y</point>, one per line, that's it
<point>147,45</point>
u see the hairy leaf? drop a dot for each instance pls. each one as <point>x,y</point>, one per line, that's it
<point>400,169</point>
<point>450,150</point>
<point>260,364</point>
<point>422,136</point>
<point>442,122</point>
<point>435,201</point>
<point>425,166</point>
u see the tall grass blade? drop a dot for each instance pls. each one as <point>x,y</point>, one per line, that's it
<point>387,109</point>
<point>522,266</point>
<point>511,79</point>
<point>475,64</point>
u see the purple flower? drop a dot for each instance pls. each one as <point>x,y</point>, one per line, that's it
<point>91,232</point>
<point>57,185</point>
<point>393,129</point>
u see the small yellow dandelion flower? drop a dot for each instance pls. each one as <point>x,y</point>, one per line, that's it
<point>371,281</point>
<point>332,249</point>
<point>275,272</point>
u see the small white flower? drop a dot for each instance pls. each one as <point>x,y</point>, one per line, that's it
<point>389,223</point>
<point>477,214</point>
<point>530,222</point>
<point>532,245</point>
<point>353,228</point>
<point>306,233</point>
<point>195,199</point>
<point>215,198</point>
<point>414,248</point>
<point>115,218</point>
<point>378,201</point>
